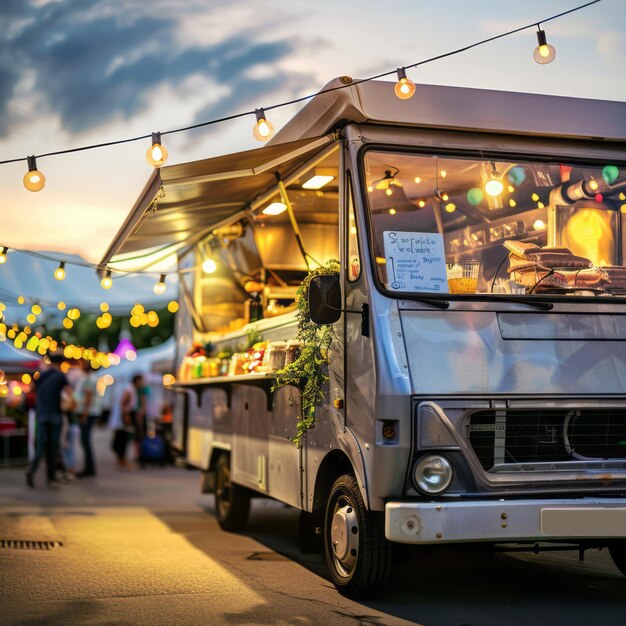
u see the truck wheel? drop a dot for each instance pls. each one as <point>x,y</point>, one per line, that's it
<point>232,502</point>
<point>618,553</point>
<point>357,554</point>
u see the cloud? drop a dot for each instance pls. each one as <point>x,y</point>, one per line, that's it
<point>93,65</point>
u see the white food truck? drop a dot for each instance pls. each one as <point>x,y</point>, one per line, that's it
<point>476,385</point>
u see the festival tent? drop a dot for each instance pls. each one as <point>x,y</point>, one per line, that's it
<point>13,361</point>
<point>33,278</point>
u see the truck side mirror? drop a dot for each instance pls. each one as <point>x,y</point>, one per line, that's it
<point>325,299</point>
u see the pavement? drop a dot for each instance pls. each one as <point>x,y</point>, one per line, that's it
<point>143,547</point>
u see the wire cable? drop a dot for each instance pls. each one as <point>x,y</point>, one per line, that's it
<point>309,96</point>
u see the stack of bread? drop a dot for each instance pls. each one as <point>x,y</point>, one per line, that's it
<point>544,269</point>
<point>554,269</point>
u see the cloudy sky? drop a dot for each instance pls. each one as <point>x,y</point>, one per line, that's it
<point>77,72</point>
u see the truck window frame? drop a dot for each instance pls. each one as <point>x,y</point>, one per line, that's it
<point>511,155</point>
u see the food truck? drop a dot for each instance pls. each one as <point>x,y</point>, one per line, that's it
<point>475,387</point>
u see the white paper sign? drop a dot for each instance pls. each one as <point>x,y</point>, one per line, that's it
<point>415,261</point>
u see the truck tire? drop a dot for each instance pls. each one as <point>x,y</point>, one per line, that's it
<point>232,502</point>
<point>618,554</point>
<point>357,554</point>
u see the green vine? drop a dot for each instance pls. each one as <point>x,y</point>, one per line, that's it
<point>311,367</point>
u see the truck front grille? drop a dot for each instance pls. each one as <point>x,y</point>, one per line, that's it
<point>500,437</point>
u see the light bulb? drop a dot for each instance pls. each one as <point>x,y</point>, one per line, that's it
<point>494,185</point>
<point>544,53</point>
<point>59,272</point>
<point>276,208</point>
<point>404,88</point>
<point>157,153</point>
<point>209,266</point>
<point>107,281</point>
<point>263,129</point>
<point>160,287</point>
<point>3,256</point>
<point>33,180</point>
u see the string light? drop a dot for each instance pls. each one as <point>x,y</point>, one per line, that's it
<point>59,272</point>
<point>107,281</point>
<point>3,255</point>
<point>157,153</point>
<point>404,88</point>
<point>263,129</point>
<point>544,53</point>
<point>33,180</point>
<point>494,185</point>
<point>160,287</point>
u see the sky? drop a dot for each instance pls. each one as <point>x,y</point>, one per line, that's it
<point>79,72</point>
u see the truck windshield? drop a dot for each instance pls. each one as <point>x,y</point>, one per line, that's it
<point>480,226</point>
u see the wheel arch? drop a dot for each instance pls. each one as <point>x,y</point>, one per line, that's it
<point>335,464</point>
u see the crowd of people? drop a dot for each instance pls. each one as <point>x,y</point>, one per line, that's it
<point>67,408</point>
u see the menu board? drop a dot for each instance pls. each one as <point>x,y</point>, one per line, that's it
<point>415,261</point>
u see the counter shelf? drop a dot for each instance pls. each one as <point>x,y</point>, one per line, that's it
<point>264,381</point>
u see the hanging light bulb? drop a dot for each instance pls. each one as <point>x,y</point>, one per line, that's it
<point>263,129</point>
<point>3,256</point>
<point>107,281</point>
<point>160,287</point>
<point>59,272</point>
<point>157,153</point>
<point>494,186</point>
<point>404,88</point>
<point>544,53</point>
<point>209,266</point>
<point>33,180</point>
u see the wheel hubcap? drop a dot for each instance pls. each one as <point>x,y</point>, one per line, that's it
<point>344,536</point>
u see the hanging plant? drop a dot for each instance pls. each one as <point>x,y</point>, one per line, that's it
<point>310,370</point>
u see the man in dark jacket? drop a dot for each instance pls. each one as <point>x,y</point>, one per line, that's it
<point>49,388</point>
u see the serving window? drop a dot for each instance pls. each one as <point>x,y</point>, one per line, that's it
<point>479,225</point>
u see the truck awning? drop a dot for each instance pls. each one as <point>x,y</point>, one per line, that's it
<point>181,203</point>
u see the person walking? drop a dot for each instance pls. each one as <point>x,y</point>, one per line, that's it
<point>88,408</point>
<point>50,387</point>
<point>123,419</point>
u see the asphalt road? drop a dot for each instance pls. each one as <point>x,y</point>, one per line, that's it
<point>143,547</point>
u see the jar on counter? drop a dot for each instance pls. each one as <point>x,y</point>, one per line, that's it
<point>236,364</point>
<point>294,349</point>
<point>275,356</point>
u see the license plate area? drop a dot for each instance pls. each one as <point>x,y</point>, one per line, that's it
<point>583,522</point>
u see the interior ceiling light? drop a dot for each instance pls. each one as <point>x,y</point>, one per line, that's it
<point>209,266</point>
<point>276,208</point>
<point>157,153</point>
<point>494,185</point>
<point>33,180</point>
<point>544,53</point>
<point>388,180</point>
<point>318,179</point>
<point>263,129</point>
<point>404,88</point>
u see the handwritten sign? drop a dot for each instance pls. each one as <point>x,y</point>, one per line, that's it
<point>415,261</point>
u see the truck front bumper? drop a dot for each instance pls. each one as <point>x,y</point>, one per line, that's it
<point>505,520</point>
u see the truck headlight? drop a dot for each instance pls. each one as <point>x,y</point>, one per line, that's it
<point>433,474</point>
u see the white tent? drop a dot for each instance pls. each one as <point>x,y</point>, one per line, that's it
<point>32,278</point>
<point>13,361</point>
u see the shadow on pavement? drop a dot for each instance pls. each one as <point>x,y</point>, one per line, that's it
<point>470,585</point>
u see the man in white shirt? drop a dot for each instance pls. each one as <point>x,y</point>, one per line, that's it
<point>88,408</point>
